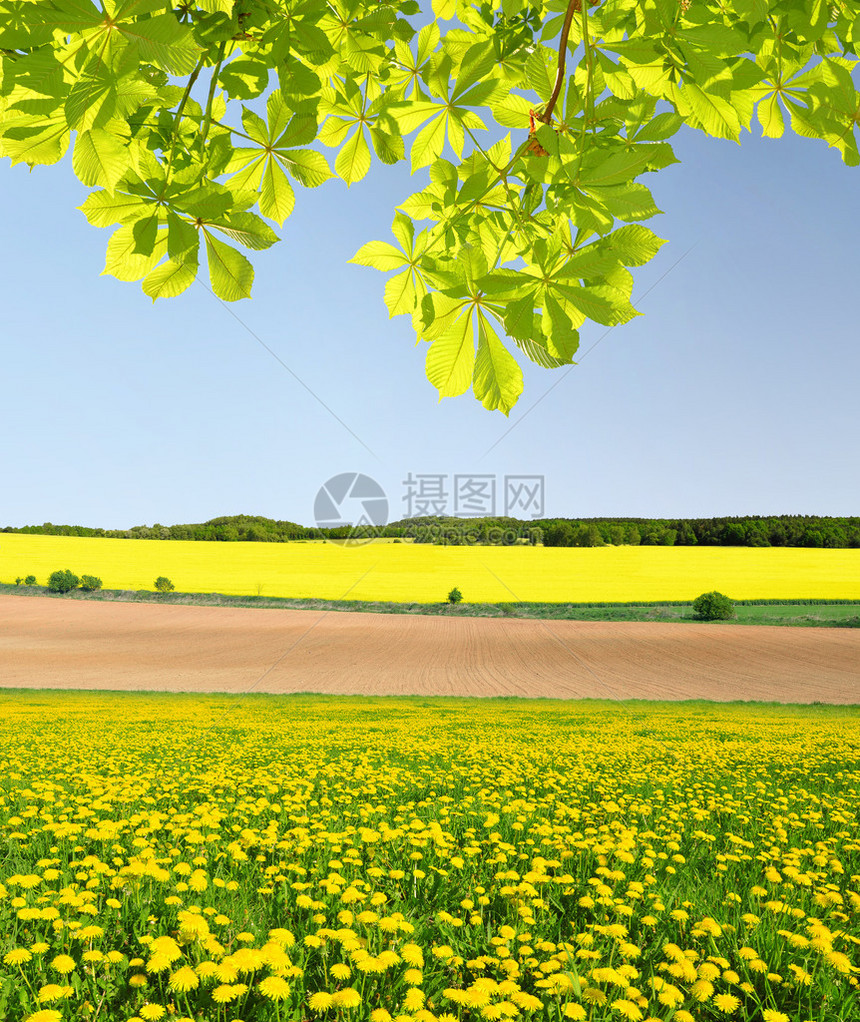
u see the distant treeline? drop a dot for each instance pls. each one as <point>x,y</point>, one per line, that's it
<point>776,530</point>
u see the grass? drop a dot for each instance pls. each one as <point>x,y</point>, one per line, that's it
<point>811,613</point>
<point>362,859</point>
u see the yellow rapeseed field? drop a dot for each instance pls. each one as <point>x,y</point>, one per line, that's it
<point>423,573</point>
<point>356,860</point>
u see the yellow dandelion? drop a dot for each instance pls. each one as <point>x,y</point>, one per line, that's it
<point>412,955</point>
<point>224,993</point>
<point>628,1009</point>
<point>320,1001</point>
<point>17,956</point>
<point>414,999</point>
<point>52,992</point>
<point>166,946</point>
<point>347,998</point>
<point>840,962</point>
<point>152,1012</point>
<point>184,979</point>
<point>275,988</point>
<point>63,964</point>
<point>574,1011</point>
<point>160,962</point>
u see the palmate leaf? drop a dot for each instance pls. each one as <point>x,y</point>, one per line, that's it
<point>404,292</point>
<point>277,198</point>
<point>353,161</point>
<point>122,259</point>
<point>100,158</point>
<point>104,208</point>
<point>164,42</point>
<point>263,168</point>
<point>497,380</point>
<point>230,273</point>
<point>34,138</point>
<point>451,357</point>
<point>169,279</point>
<point>246,229</point>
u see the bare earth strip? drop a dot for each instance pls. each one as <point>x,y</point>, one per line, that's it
<point>50,643</point>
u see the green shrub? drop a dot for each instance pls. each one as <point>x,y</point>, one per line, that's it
<point>30,580</point>
<point>164,585</point>
<point>63,581</point>
<point>455,596</point>
<point>18,580</point>
<point>90,583</point>
<point>713,607</point>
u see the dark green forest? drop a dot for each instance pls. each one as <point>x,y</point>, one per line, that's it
<point>774,530</point>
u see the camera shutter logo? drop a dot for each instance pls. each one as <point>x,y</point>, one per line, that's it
<point>351,500</point>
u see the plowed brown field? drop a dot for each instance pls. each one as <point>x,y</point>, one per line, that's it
<point>51,643</point>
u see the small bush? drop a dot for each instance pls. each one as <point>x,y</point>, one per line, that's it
<point>30,580</point>
<point>164,585</point>
<point>63,581</point>
<point>455,596</point>
<point>713,607</point>
<point>18,580</point>
<point>90,583</point>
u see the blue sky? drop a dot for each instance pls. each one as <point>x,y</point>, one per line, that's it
<point>734,393</point>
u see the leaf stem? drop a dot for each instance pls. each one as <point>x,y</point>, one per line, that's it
<point>177,118</point>
<point>207,120</point>
<point>572,8</point>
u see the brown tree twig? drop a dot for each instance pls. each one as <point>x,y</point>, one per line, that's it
<point>574,7</point>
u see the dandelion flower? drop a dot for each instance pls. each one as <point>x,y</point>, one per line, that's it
<point>320,1001</point>
<point>274,988</point>
<point>414,999</point>
<point>17,956</point>
<point>159,962</point>
<point>727,1003</point>
<point>346,998</point>
<point>63,964</point>
<point>574,1011</point>
<point>152,1012</point>
<point>184,979</point>
<point>52,992</point>
<point>412,954</point>
<point>226,992</point>
<point>628,1009</point>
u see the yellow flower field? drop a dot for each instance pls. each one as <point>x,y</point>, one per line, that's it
<point>255,859</point>
<point>424,573</point>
